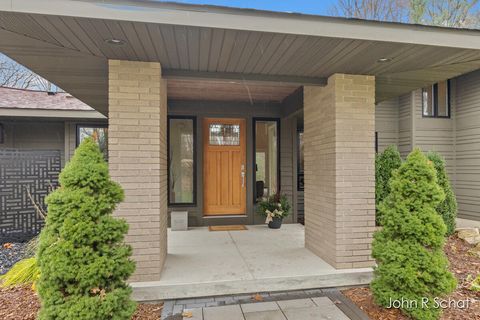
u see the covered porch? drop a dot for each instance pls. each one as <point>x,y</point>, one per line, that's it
<point>203,263</point>
<point>142,61</point>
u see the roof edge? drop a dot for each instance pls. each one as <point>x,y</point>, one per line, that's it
<point>249,20</point>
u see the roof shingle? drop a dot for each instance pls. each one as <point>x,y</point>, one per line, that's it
<point>13,98</point>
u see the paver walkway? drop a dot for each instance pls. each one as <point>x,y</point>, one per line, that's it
<point>298,305</point>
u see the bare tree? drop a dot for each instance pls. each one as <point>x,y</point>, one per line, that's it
<point>448,13</point>
<point>380,10</point>
<point>15,75</point>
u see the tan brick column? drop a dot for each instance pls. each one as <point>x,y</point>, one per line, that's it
<point>340,170</point>
<point>137,116</point>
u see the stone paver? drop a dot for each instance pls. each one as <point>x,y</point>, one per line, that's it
<point>314,313</point>
<point>291,305</point>
<point>232,312</point>
<point>295,304</point>
<point>196,314</point>
<point>259,306</point>
<point>265,315</point>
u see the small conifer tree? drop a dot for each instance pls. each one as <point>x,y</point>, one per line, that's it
<point>385,163</point>
<point>411,264</point>
<point>83,260</point>
<point>448,207</point>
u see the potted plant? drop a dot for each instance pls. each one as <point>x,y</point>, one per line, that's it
<point>274,208</point>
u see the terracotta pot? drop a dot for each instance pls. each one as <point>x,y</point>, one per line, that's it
<point>276,223</point>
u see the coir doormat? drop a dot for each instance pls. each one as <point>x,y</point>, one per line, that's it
<point>238,227</point>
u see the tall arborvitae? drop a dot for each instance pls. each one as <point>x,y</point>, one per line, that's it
<point>385,163</point>
<point>448,207</point>
<point>409,248</point>
<point>83,260</point>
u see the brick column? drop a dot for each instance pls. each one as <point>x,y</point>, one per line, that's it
<point>137,134</point>
<point>340,170</point>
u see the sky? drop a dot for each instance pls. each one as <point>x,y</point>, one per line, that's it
<point>319,7</point>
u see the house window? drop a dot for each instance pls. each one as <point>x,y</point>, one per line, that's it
<point>300,162</point>
<point>181,161</point>
<point>436,100</point>
<point>266,153</point>
<point>99,134</point>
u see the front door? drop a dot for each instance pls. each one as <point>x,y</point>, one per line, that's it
<point>224,166</point>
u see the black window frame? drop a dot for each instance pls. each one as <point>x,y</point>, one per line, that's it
<point>300,173</point>
<point>434,89</point>
<point>254,148</point>
<point>194,129</point>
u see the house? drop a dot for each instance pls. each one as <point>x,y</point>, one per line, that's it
<point>205,105</point>
<point>38,133</point>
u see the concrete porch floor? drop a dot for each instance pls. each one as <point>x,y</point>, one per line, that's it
<point>203,263</point>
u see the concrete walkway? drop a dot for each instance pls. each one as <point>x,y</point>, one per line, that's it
<point>202,263</point>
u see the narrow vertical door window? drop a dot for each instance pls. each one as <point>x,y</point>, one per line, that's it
<point>181,162</point>
<point>266,158</point>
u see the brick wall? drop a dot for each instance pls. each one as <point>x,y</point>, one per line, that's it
<point>340,170</point>
<point>137,159</point>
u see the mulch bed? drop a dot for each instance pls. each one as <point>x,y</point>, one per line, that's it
<point>464,266</point>
<point>21,303</point>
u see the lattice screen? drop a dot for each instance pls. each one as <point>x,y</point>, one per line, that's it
<point>22,170</point>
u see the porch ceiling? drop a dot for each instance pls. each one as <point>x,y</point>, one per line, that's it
<point>64,41</point>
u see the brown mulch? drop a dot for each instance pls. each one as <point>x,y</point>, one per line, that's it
<point>21,303</point>
<point>464,266</point>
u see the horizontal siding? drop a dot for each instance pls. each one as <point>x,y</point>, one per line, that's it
<point>404,125</point>
<point>386,123</point>
<point>35,135</point>
<point>288,132</point>
<point>467,182</point>
<point>435,134</point>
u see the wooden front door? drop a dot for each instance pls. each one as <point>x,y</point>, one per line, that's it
<point>224,167</point>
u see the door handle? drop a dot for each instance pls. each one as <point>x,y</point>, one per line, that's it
<point>243,175</point>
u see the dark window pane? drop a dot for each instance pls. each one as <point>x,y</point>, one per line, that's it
<point>266,158</point>
<point>181,161</point>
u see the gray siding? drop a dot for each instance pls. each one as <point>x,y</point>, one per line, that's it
<point>34,135</point>
<point>457,138</point>
<point>287,184</point>
<point>405,137</point>
<point>386,123</point>
<point>434,134</point>
<point>467,182</point>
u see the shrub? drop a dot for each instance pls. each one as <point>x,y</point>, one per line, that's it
<point>448,207</point>
<point>385,163</point>
<point>409,248</point>
<point>83,260</point>
<point>25,271</point>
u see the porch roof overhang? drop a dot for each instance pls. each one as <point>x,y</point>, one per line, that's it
<point>66,42</point>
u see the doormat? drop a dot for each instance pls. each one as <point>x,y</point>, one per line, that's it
<point>238,227</point>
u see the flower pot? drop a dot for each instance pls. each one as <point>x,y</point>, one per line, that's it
<point>276,223</point>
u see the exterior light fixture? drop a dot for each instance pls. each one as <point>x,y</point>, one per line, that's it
<point>115,42</point>
<point>383,60</point>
